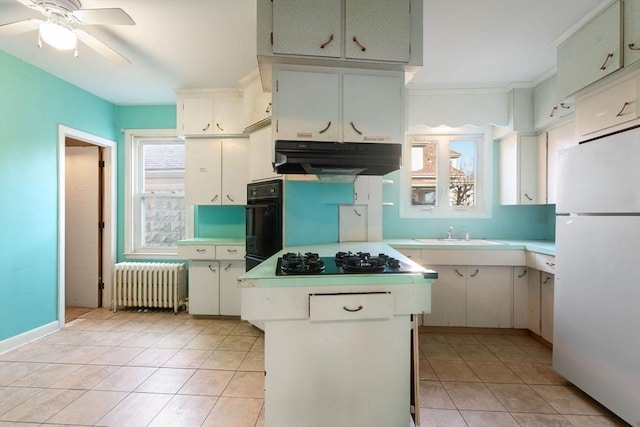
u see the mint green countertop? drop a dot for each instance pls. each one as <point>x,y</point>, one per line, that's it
<point>264,274</point>
<point>546,247</point>
<point>227,241</point>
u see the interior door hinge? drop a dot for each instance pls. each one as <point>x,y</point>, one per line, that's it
<point>271,38</point>
<point>277,85</point>
<point>101,225</point>
<point>100,285</point>
<point>101,163</point>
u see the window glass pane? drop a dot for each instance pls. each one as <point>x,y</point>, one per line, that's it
<point>462,173</point>
<point>424,169</point>
<point>163,168</point>
<point>163,221</point>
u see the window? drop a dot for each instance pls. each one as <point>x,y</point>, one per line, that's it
<point>155,203</point>
<point>445,176</point>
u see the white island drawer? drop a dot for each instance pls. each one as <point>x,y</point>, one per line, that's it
<point>358,306</point>
<point>230,252</point>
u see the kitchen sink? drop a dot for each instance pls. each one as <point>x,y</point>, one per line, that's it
<point>458,242</point>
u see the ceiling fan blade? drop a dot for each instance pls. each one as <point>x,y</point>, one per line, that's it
<point>101,48</point>
<point>19,27</point>
<point>30,4</point>
<point>112,16</point>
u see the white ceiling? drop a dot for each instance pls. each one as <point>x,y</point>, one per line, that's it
<point>212,44</point>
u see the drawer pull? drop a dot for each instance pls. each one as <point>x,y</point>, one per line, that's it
<point>624,107</point>
<point>604,64</point>
<point>232,251</point>
<point>550,264</point>
<point>554,110</point>
<point>633,46</point>
<point>201,251</point>
<point>524,273</point>
<point>475,273</point>
<point>212,268</point>
<point>352,310</point>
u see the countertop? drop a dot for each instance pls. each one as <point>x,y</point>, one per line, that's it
<point>264,274</point>
<point>546,247</point>
<point>214,241</point>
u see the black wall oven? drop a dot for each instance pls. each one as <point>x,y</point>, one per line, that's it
<point>264,221</point>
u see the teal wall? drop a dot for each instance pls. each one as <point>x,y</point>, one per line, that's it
<point>220,221</point>
<point>32,104</point>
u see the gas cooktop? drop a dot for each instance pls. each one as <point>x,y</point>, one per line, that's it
<point>310,263</point>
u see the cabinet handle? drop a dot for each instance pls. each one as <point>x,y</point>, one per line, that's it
<point>458,273</point>
<point>232,251</point>
<point>546,280</point>
<point>211,268</point>
<point>624,107</point>
<point>218,126</point>
<point>323,45</point>
<point>352,310</point>
<point>326,128</point>
<point>604,64</point>
<point>204,129</point>
<point>355,128</point>
<point>550,264</point>
<point>214,198</point>
<point>565,105</point>
<point>201,251</point>
<point>357,213</point>
<point>355,197</point>
<point>554,110</point>
<point>524,273</point>
<point>633,46</point>
<point>475,273</point>
<point>268,110</point>
<point>360,45</point>
<point>527,196</point>
<point>230,199</point>
<point>228,267</point>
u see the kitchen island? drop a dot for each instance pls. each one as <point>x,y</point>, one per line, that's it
<point>338,348</point>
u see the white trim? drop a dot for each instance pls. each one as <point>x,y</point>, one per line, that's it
<point>28,336</point>
<point>109,212</point>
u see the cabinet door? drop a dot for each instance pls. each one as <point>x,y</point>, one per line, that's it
<point>202,172</point>
<point>307,27</point>
<point>518,170</point>
<point>307,106</point>
<point>204,284</point>
<point>196,116</point>
<point>557,138</point>
<point>591,53</point>
<point>490,297</point>
<point>631,31</point>
<point>229,290</point>
<point>533,301</point>
<point>353,223</point>
<point>261,155</point>
<point>373,108</point>
<point>235,171</point>
<point>546,306</point>
<point>520,297</point>
<point>369,24</point>
<point>227,114</point>
<point>448,297</point>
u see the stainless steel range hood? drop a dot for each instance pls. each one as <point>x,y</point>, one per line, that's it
<point>336,158</point>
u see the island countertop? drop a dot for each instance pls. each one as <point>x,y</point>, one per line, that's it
<point>264,275</point>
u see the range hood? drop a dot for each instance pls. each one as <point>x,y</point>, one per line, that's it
<point>336,158</point>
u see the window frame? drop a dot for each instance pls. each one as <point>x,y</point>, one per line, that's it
<point>133,163</point>
<point>484,175</point>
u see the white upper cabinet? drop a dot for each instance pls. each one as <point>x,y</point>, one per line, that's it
<point>206,114</point>
<point>518,169</point>
<point>307,27</point>
<point>547,109</point>
<point>592,52</point>
<point>338,105</point>
<point>369,25</point>
<point>631,31</point>
<point>558,138</point>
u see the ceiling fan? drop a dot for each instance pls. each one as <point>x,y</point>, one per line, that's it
<point>58,28</point>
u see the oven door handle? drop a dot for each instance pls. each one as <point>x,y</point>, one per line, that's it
<point>258,205</point>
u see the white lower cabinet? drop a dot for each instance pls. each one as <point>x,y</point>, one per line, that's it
<point>229,290</point>
<point>540,303</point>
<point>448,297</point>
<point>204,287</point>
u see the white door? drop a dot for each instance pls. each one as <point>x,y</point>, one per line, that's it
<point>81,228</point>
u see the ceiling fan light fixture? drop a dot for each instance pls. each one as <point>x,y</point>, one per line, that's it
<point>58,34</point>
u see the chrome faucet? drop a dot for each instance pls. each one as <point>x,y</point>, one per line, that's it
<point>450,233</point>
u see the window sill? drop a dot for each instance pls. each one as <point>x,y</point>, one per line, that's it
<point>139,256</point>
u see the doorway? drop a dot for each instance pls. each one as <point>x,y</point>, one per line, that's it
<point>86,246</point>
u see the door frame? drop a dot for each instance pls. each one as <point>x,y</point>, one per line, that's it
<point>109,211</point>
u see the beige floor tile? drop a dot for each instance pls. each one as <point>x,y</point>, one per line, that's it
<point>520,398</point>
<point>441,418</point>
<point>474,352</point>
<point>234,412</point>
<point>184,411</point>
<point>205,342</point>
<point>542,420</point>
<point>595,421</point>
<point>83,354</point>
<point>433,395</point>
<point>432,339</point>
<point>260,421</point>
<point>10,397</point>
<point>253,362</point>
<point>472,396</point>
<point>143,339</point>
<point>461,339</point>
<point>493,372</point>
<point>453,370</point>
<point>207,382</point>
<point>246,384</point>
<point>488,419</point>
<point>226,360</point>
<point>259,344</point>
<point>46,376</point>
<point>434,351</point>
<point>35,352</point>
<point>85,378</point>
<point>536,373</point>
<point>166,380</point>
<point>425,371</point>
<point>126,378</point>
<point>487,339</point>
<point>163,328</point>
<point>107,325</point>
<point>511,353</point>
<point>188,329</point>
<point>135,410</point>
<point>569,400</point>
<point>117,356</point>
<point>114,338</point>
<point>14,371</point>
<point>42,406</point>
<point>88,408</point>
<point>134,326</point>
<point>173,341</point>
<point>245,328</point>
<point>237,343</point>
<point>220,327</point>
<point>524,340</point>
<point>153,357</point>
<point>65,336</point>
<point>188,359</point>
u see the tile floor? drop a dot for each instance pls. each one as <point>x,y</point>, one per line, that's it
<point>160,369</point>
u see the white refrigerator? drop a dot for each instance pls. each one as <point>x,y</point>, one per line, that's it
<point>596,342</point>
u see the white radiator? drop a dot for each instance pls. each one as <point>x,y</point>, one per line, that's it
<point>149,284</point>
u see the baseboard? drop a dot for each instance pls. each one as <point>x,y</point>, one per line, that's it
<point>26,337</point>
